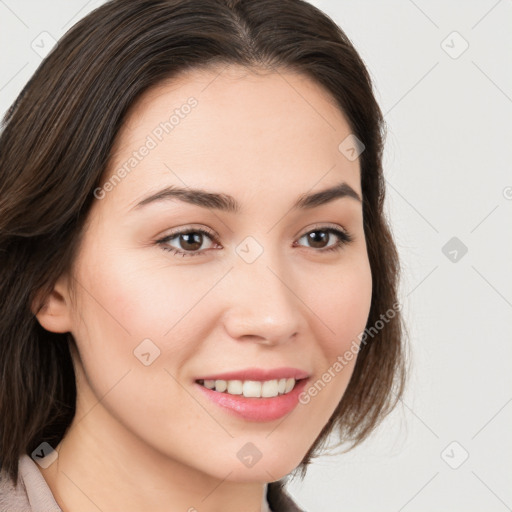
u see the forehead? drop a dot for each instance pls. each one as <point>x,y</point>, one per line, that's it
<point>232,86</point>
<point>227,126</point>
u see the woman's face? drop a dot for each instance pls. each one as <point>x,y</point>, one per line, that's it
<point>266,293</point>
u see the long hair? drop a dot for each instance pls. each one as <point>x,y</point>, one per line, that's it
<point>55,145</point>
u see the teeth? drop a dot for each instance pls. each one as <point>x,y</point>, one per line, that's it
<point>269,388</point>
<point>251,388</point>
<point>210,384</point>
<point>220,385</point>
<point>290,383</point>
<point>235,387</point>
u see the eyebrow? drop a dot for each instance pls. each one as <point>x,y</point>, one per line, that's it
<point>227,203</point>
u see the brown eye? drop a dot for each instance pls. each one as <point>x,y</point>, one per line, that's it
<point>320,238</point>
<point>190,241</point>
<point>186,243</point>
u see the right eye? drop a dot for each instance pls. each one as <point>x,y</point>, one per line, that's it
<point>190,241</point>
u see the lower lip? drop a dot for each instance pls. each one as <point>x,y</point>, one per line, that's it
<point>257,409</point>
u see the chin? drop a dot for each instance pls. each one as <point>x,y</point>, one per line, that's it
<point>273,465</point>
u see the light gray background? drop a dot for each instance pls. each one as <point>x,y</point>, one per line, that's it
<point>448,169</point>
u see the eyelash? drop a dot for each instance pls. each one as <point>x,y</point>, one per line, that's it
<point>344,238</point>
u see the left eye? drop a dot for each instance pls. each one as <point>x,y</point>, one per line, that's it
<point>191,240</point>
<point>318,236</point>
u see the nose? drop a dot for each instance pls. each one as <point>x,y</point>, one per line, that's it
<point>262,303</point>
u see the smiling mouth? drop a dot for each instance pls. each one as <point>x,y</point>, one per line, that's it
<point>251,388</point>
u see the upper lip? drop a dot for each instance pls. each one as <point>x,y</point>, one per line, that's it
<point>259,374</point>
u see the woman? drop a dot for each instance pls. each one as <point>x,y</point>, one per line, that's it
<point>134,376</point>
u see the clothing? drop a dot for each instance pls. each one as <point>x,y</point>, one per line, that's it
<point>32,493</point>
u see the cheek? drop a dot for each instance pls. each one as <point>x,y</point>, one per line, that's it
<point>341,300</point>
<point>121,310</point>
<point>138,311</point>
<point>145,295</point>
<point>342,308</point>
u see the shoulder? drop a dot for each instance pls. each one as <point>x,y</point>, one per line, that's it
<point>13,497</point>
<point>30,494</point>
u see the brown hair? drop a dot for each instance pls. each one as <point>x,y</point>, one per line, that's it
<point>54,149</point>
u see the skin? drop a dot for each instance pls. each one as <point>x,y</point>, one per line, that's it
<point>143,436</point>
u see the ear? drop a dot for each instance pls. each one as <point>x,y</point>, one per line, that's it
<point>55,313</point>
